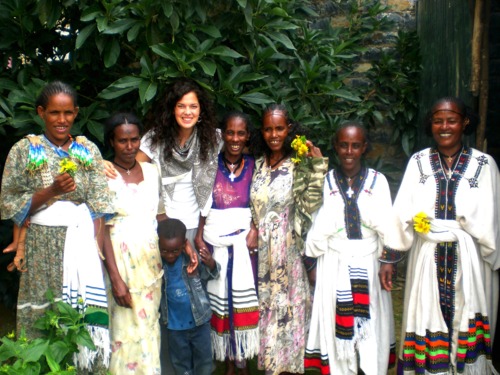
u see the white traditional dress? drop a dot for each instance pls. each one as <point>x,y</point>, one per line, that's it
<point>135,332</point>
<point>233,295</point>
<point>451,292</point>
<point>352,316</point>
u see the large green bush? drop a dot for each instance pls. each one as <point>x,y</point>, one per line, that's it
<point>248,53</point>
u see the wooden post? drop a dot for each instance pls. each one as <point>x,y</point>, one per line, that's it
<point>477,39</point>
<point>484,82</point>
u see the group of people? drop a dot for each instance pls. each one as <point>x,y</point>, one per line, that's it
<point>221,242</point>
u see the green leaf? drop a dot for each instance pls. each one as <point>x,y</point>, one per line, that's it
<point>66,311</point>
<point>167,8</point>
<point>281,38</point>
<point>7,84</point>
<point>242,3</point>
<point>96,129</point>
<point>407,143</point>
<point>84,34</point>
<point>279,12</point>
<point>248,12</point>
<point>378,116</point>
<point>147,91</point>
<point>7,349</point>
<point>210,30</point>
<point>133,32</point>
<point>119,26</point>
<point>102,23</point>
<point>225,52</point>
<point>119,88</point>
<point>345,94</point>
<point>164,51</point>
<point>174,21</point>
<point>48,12</point>
<point>111,53</point>
<point>53,365</point>
<point>147,66</point>
<point>58,350</point>
<point>256,98</point>
<point>37,348</point>
<point>83,338</point>
<point>209,67</point>
<point>91,13</point>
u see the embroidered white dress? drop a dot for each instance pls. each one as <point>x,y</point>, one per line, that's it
<point>451,292</point>
<point>330,240</point>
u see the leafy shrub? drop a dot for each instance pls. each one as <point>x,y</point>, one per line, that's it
<point>63,329</point>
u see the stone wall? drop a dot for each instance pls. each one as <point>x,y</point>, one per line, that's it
<point>403,15</point>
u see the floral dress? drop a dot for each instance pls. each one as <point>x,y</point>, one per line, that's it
<point>135,332</point>
<point>283,287</point>
<point>45,244</point>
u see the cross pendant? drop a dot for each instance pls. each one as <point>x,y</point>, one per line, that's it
<point>350,192</point>
<point>232,176</point>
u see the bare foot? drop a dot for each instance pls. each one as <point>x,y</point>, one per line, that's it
<point>230,368</point>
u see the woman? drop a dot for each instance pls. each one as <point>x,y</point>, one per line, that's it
<point>283,196</point>
<point>228,232</point>
<point>447,217</point>
<point>183,142</point>
<point>352,316</point>
<point>57,183</point>
<point>132,258</point>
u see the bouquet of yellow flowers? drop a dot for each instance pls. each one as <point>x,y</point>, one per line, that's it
<point>68,166</point>
<point>300,147</point>
<point>421,223</point>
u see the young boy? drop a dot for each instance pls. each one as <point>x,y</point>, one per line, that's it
<point>185,307</point>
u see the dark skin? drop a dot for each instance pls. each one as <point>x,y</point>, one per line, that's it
<point>235,137</point>
<point>171,248</point>
<point>274,131</point>
<point>448,126</point>
<point>58,116</point>
<point>125,142</point>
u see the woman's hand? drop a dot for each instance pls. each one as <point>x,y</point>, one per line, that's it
<point>121,293</point>
<point>253,240</point>
<point>385,274</point>
<point>311,275</point>
<point>199,244</point>
<point>109,170</point>
<point>206,258</point>
<point>191,268</point>
<point>63,184</point>
<point>314,152</point>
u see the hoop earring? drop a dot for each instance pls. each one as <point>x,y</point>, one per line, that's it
<point>199,119</point>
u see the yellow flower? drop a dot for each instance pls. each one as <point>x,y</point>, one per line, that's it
<point>300,147</point>
<point>68,166</point>
<point>421,223</point>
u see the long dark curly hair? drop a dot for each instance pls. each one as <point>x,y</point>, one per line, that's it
<point>259,146</point>
<point>164,129</point>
